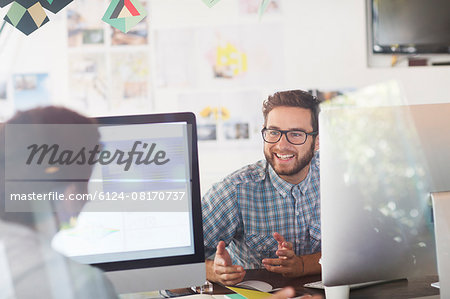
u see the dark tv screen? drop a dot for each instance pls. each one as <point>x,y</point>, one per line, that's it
<point>411,26</point>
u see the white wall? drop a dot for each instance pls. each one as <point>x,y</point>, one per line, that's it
<point>324,47</point>
<point>327,48</point>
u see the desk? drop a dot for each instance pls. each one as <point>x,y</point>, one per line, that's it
<point>395,289</point>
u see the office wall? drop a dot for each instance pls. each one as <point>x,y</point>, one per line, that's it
<point>323,46</point>
<point>332,52</point>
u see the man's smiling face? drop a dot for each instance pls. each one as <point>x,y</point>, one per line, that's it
<point>290,162</point>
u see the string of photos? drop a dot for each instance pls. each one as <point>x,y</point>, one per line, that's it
<point>29,15</point>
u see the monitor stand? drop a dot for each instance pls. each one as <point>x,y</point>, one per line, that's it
<point>151,279</point>
<point>441,214</point>
<point>342,292</point>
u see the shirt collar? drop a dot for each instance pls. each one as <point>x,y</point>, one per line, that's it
<point>285,188</point>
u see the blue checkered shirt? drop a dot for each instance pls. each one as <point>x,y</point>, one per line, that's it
<point>248,206</point>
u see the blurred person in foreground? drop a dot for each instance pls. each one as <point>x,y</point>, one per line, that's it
<point>29,266</point>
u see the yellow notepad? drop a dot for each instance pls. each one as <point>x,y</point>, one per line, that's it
<point>250,294</point>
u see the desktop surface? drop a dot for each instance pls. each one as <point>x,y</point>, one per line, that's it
<point>412,288</point>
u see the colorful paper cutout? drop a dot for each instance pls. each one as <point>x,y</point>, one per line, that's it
<point>3,3</point>
<point>210,3</point>
<point>54,5</point>
<point>124,14</point>
<point>263,7</point>
<point>27,16</point>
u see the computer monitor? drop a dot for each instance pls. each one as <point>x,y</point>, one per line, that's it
<point>143,225</point>
<point>378,168</point>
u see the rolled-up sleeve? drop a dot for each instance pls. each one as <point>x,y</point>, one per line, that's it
<point>220,215</point>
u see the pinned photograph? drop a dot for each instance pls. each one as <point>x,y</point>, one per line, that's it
<point>225,115</point>
<point>138,35</point>
<point>84,26</point>
<point>328,95</point>
<point>31,90</point>
<point>236,131</point>
<point>3,90</point>
<point>88,80</point>
<point>93,36</point>
<point>130,76</point>
<point>240,54</point>
<point>207,132</point>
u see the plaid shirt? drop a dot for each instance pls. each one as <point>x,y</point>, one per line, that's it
<point>248,206</point>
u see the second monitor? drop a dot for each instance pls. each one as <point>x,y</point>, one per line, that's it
<point>378,168</point>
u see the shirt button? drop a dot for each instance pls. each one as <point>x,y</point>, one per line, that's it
<point>297,213</point>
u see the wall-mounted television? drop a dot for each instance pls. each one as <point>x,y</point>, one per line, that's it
<point>410,26</point>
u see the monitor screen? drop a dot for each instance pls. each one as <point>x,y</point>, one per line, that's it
<point>413,26</point>
<point>143,223</point>
<point>378,167</point>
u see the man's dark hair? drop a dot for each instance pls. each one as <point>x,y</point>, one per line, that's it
<point>293,98</point>
<point>39,116</point>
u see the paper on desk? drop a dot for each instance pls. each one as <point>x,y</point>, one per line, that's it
<point>249,294</point>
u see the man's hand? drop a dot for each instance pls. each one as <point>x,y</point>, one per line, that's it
<point>287,263</point>
<point>221,269</point>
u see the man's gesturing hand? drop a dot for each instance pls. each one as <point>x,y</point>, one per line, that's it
<point>287,262</point>
<point>221,269</point>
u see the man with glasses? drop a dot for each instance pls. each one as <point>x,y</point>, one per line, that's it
<point>267,214</point>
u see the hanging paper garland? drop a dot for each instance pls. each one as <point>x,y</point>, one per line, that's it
<point>210,3</point>
<point>29,15</point>
<point>124,14</point>
<point>3,3</point>
<point>54,5</point>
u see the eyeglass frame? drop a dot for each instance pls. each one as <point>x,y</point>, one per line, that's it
<point>284,132</point>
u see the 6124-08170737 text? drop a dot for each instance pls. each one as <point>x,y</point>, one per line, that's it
<point>97,195</point>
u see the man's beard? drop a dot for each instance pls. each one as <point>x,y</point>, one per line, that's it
<point>298,166</point>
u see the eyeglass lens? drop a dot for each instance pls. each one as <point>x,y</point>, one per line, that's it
<point>294,137</point>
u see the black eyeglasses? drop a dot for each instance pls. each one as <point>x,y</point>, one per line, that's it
<point>295,137</point>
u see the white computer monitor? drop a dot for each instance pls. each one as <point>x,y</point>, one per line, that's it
<point>378,168</point>
<point>144,227</point>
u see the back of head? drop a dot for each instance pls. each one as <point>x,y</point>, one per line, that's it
<point>294,98</point>
<point>34,124</point>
